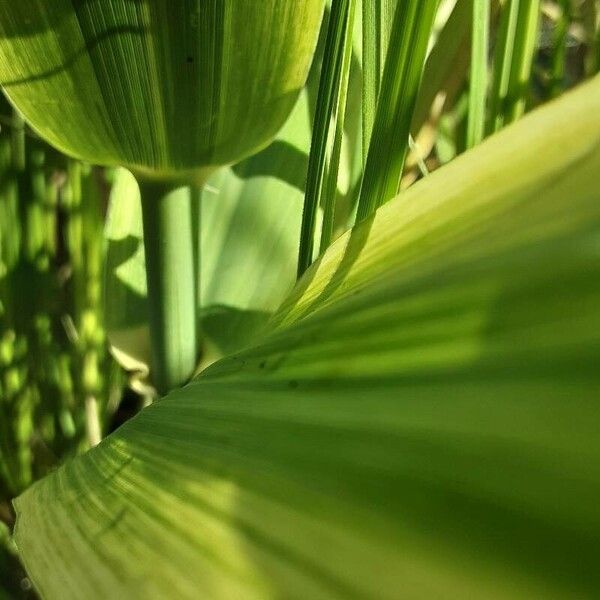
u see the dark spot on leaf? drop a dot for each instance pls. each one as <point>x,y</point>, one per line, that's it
<point>293,384</point>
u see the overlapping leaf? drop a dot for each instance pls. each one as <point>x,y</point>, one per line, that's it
<point>249,217</point>
<point>421,420</point>
<point>162,86</point>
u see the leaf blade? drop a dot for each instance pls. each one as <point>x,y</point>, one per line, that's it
<point>395,105</point>
<point>479,73</point>
<point>163,87</point>
<point>429,425</point>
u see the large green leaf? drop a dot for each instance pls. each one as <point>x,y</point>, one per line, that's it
<point>250,223</point>
<point>250,226</point>
<point>421,421</point>
<point>165,86</point>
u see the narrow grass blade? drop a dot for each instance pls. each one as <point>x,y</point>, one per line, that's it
<point>409,39</point>
<point>336,57</point>
<point>503,62</point>
<point>478,83</point>
<point>447,63</point>
<point>591,22</point>
<point>515,49</point>
<point>559,50</point>
<point>339,117</point>
<point>377,20</point>
<point>524,52</point>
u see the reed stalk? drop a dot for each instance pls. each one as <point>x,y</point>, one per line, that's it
<point>167,217</point>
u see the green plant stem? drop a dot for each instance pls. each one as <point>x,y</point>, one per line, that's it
<point>331,178</point>
<point>377,18</point>
<point>590,9</point>
<point>167,218</point>
<point>515,49</point>
<point>92,421</point>
<point>502,63</point>
<point>559,56</point>
<point>18,142</point>
<point>339,29</point>
<point>479,71</point>
<point>412,24</point>
<point>525,48</point>
<point>196,193</point>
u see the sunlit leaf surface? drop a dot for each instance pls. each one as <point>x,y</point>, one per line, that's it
<point>249,216</point>
<point>164,85</point>
<point>422,420</point>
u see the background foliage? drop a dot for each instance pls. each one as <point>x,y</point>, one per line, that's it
<point>406,315</point>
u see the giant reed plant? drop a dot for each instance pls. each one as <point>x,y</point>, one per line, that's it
<point>417,415</point>
<point>172,91</point>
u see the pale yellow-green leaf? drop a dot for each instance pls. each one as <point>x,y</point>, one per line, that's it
<point>164,87</point>
<point>421,421</point>
<point>250,228</point>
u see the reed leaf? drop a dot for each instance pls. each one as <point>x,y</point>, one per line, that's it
<point>515,49</point>
<point>249,235</point>
<point>323,156</point>
<point>419,420</point>
<point>479,72</point>
<point>447,63</point>
<point>166,88</point>
<point>401,79</point>
<point>172,90</point>
<point>377,21</point>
